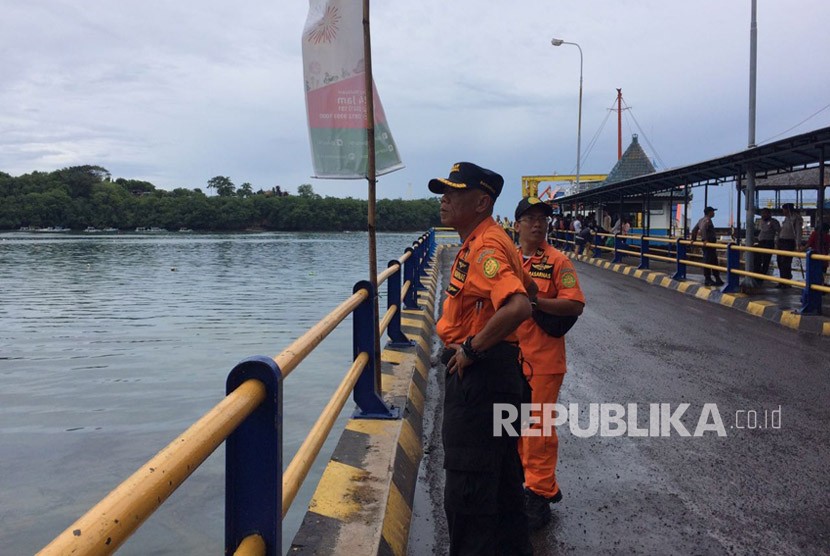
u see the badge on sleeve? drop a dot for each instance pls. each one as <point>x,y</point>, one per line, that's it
<point>568,278</point>
<point>491,267</point>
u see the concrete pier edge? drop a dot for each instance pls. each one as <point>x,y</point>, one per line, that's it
<point>363,502</point>
<point>760,308</point>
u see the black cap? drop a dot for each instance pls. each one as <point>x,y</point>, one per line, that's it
<point>466,175</point>
<point>709,209</point>
<point>529,202</point>
<point>789,206</point>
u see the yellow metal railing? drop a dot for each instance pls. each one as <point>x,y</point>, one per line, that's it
<point>109,523</point>
<point>721,247</point>
<point>298,469</point>
<point>294,354</point>
<point>252,545</point>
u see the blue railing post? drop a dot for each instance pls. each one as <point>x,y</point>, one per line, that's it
<point>811,299</point>
<point>432,244</point>
<point>569,238</point>
<point>617,245</point>
<point>428,252</point>
<point>597,250</point>
<point>417,253</point>
<point>424,258</point>
<point>411,297</point>
<point>643,253</point>
<point>680,274</point>
<point>370,404</point>
<point>393,299</point>
<point>253,462</point>
<point>733,261</point>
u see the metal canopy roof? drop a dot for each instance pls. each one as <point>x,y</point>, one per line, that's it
<point>785,155</point>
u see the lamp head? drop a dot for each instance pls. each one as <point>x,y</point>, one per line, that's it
<point>556,42</point>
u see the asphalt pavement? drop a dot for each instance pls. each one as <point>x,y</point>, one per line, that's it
<point>750,474</point>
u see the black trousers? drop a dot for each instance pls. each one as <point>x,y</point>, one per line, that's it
<point>483,494</point>
<point>710,256</point>
<point>785,264</point>
<point>765,258</point>
<point>501,532</point>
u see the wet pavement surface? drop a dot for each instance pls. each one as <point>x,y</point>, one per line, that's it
<point>759,486</point>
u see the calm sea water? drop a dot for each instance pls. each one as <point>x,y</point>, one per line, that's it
<point>111,346</point>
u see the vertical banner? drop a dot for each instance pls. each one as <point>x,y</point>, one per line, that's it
<point>335,89</point>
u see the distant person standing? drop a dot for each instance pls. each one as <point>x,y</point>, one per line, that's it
<point>544,355</point>
<point>606,221</point>
<point>788,240</point>
<point>768,230</point>
<point>576,225</point>
<point>508,229</point>
<point>706,230</point>
<point>813,243</point>
<point>585,236</point>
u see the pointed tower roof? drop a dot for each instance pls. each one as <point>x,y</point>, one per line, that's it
<point>633,163</point>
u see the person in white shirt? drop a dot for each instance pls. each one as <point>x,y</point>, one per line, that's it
<point>606,221</point>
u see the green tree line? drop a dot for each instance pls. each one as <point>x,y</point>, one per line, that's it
<point>82,196</point>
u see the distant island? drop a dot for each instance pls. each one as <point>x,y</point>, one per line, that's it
<point>87,198</point>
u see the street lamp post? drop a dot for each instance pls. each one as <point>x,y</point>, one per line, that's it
<point>560,42</point>
<point>748,283</point>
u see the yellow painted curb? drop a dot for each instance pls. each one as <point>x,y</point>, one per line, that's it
<point>334,498</point>
<point>791,320</point>
<point>363,502</point>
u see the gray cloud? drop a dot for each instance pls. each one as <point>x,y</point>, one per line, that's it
<point>179,92</point>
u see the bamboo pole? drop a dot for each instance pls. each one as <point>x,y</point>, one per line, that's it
<point>371,177</point>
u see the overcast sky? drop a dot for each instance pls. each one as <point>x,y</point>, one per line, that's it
<point>179,92</point>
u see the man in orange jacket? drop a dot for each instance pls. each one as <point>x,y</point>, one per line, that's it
<point>486,301</point>
<point>544,355</point>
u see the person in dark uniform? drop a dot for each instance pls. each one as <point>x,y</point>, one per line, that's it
<point>486,302</point>
<point>710,255</point>
<point>768,230</point>
<point>789,239</point>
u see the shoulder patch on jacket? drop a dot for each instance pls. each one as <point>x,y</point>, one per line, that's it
<point>568,278</point>
<point>491,267</point>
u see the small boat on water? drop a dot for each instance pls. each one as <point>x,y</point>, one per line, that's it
<point>53,230</point>
<point>185,231</point>
<point>156,230</point>
<point>91,230</point>
<point>110,230</point>
<point>141,229</point>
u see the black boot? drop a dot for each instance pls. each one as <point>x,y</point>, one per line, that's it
<point>537,508</point>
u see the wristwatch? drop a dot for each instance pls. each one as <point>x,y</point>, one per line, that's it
<point>471,352</point>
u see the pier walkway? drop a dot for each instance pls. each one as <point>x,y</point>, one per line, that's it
<point>766,301</point>
<point>760,488</point>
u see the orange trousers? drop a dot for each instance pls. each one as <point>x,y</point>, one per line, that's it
<point>540,453</point>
